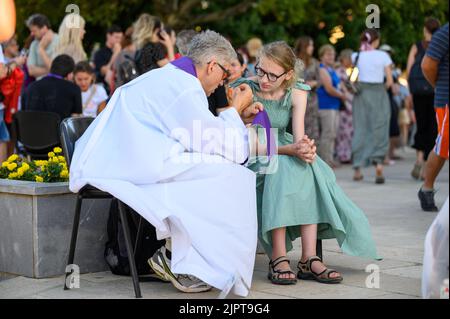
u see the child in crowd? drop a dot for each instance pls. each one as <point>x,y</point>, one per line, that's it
<point>93,95</point>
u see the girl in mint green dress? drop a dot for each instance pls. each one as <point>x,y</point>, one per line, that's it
<point>299,199</point>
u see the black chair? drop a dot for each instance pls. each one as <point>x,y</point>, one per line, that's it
<point>319,249</point>
<point>38,132</point>
<point>71,130</point>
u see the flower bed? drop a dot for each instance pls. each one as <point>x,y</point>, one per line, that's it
<point>52,170</point>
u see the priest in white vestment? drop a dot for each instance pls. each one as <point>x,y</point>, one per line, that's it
<point>157,148</point>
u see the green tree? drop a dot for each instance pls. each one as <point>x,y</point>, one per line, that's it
<point>401,20</point>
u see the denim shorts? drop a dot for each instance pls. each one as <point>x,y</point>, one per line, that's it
<point>4,134</point>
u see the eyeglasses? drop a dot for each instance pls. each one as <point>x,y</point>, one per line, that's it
<point>226,73</point>
<point>270,76</point>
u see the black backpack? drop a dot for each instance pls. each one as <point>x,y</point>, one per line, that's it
<point>115,249</point>
<point>418,85</point>
<point>127,70</point>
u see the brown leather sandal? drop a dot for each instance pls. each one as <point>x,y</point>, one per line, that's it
<point>305,272</point>
<point>274,274</point>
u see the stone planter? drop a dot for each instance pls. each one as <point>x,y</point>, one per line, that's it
<point>36,225</point>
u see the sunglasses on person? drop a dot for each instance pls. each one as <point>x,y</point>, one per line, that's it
<point>270,76</point>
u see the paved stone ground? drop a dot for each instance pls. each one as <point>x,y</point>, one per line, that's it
<point>398,225</point>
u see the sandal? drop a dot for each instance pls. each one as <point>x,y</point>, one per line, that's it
<point>274,274</point>
<point>305,272</point>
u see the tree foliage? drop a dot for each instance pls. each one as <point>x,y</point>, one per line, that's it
<point>401,20</point>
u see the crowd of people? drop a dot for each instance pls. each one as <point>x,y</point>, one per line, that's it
<point>350,108</point>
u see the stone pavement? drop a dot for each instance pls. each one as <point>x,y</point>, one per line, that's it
<point>398,225</point>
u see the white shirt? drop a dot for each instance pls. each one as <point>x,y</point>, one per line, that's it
<point>371,65</point>
<point>90,107</point>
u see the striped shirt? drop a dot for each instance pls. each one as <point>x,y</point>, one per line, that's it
<point>438,50</point>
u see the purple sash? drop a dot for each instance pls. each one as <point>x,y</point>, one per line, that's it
<point>262,119</point>
<point>56,76</point>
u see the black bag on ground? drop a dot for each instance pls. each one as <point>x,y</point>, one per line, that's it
<point>115,249</point>
<point>418,85</point>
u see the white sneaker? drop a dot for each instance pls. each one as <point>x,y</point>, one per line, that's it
<point>160,263</point>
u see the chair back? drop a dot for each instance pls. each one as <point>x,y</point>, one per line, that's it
<point>37,131</point>
<point>71,130</point>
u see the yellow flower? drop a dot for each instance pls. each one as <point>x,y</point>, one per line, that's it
<point>64,174</point>
<point>25,167</point>
<point>51,154</point>
<point>13,157</point>
<point>12,175</point>
<point>20,172</point>
<point>39,179</point>
<point>5,164</point>
<point>57,150</point>
<point>12,166</point>
<point>61,159</point>
<point>40,163</point>
<point>55,160</point>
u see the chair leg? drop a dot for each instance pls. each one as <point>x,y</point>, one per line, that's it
<point>126,231</point>
<point>319,248</point>
<point>73,240</point>
<point>138,236</point>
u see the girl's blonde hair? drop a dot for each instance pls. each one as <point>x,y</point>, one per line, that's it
<point>326,48</point>
<point>69,33</point>
<point>283,55</point>
<point>143,29</point>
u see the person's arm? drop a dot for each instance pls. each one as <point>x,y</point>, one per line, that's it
<point>430,68</point>
<point>43,45</point>
<point>327,83</point>
<point>36,71</point>
<point>101,107</point>
<point>103,96</point>
<point>3,71</point>
<point>303,147</point>
<point>167,42</point>
<point>436,52</point>
<point>411,59</point>
<point>162,62</point>
<point>314,83</point>
<point>389,79</point>
<point>45,58</point>
<point>33,69</point>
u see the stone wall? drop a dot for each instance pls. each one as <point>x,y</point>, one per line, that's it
<point>36,225</point>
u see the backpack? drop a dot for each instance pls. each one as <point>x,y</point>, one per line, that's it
<point>115,249</point>
<point>127,70</point>
<point>418,85</point>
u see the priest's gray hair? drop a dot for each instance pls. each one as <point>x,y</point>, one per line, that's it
<point>208,44</point>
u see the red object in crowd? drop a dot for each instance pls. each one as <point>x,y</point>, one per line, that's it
<point>11,88</point>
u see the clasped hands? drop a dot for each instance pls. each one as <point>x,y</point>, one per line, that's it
<point>242,100</point>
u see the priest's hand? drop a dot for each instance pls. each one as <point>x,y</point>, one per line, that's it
<point>249,113</point>
<point>242,98</point>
